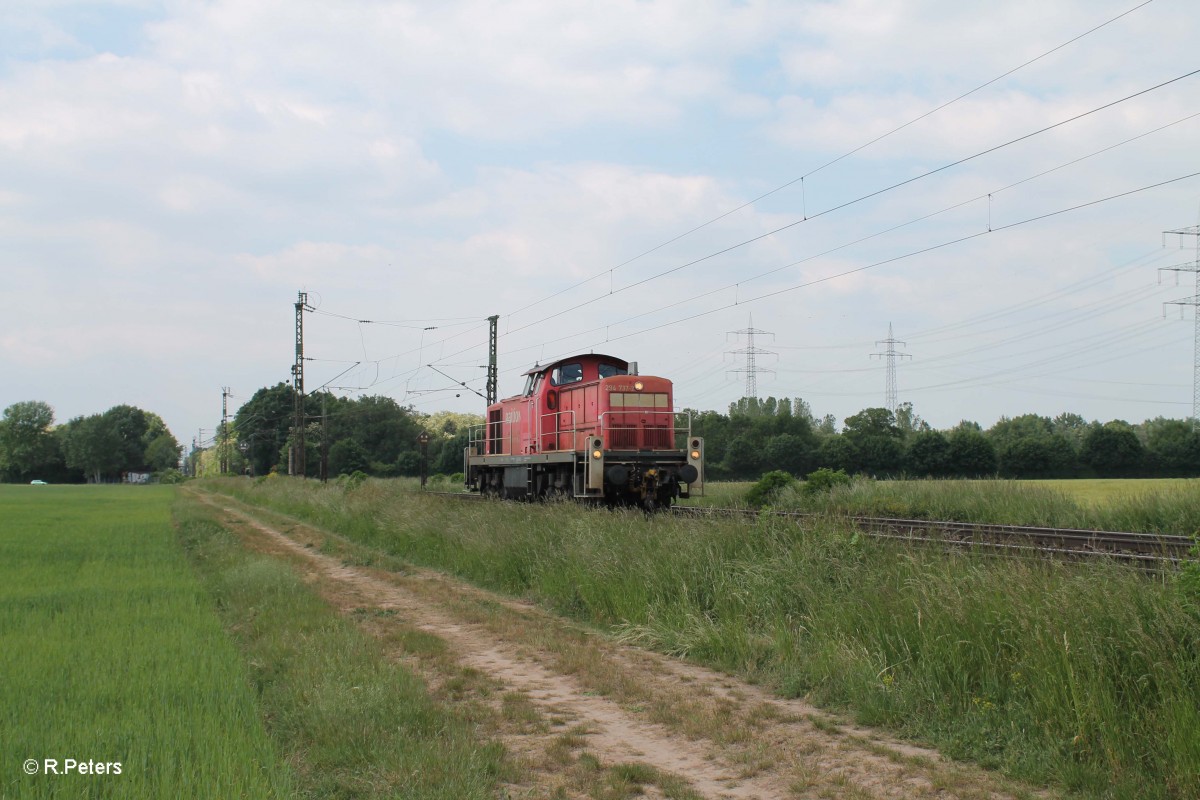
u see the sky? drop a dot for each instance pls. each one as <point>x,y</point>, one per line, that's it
<point>990,182</point>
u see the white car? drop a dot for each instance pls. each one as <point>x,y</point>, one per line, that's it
<point>37,483</point>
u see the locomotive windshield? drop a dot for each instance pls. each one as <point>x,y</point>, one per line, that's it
<point>533,382</point>
<point>610,370</point>
<point>567,373</point>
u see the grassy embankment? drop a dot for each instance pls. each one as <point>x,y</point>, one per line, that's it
<point>112,649</point>
<point>1085,676</point>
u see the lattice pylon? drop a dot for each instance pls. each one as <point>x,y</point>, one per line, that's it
<point>891,394</point>
<point>1193,301</point>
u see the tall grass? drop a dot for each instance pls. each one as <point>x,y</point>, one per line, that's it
<point>1081,675</point>
<point>110,651</point>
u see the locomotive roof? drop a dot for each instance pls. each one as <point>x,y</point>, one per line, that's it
<point>620,362</point>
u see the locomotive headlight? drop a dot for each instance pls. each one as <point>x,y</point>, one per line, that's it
<point>638,386</point>
<point>597,453</point>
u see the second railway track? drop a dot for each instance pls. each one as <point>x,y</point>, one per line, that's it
<point>1148,547</point>
<point>1014,539</point>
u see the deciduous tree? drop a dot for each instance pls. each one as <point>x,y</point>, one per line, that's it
<point>1113,450</point>
<point>28,447</point>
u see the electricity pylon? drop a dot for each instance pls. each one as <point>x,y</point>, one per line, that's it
<point>751,352</point>
<point>891,354</point>
<point>1193,301</point>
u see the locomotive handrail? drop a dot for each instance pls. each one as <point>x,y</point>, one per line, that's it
<point>689,421</point>
<point>541,432</point>
<point>474,440</point>
<point>477,434</point>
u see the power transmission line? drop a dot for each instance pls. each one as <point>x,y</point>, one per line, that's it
<point>894,259</point>
<point>794,263</point>
<point>856,200</point>
<point>830,163</point>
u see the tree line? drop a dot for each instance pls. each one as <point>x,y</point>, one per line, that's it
<point>377,436</point>
<point>371,434</point>
<point>93,449</point>
<point>762,435</point>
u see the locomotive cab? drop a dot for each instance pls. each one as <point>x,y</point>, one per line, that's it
<point>588,427</point>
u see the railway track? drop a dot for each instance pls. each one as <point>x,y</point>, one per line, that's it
<point>1012,539</point>
<point>1149,547</point>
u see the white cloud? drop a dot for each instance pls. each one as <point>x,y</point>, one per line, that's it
<point>413,160</point>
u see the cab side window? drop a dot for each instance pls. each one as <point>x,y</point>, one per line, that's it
<point>567,373</point>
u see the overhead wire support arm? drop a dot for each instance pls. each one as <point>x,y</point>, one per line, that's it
<point>451,377</point>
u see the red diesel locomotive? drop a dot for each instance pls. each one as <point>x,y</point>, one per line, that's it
<point>587,427</point>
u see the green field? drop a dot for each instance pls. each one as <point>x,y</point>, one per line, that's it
<point>1083,676</point>
<point>110,652</point>
<point>1102,492</point>
<point>136,630</point>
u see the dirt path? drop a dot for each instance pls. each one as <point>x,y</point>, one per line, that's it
<point>570,704</point>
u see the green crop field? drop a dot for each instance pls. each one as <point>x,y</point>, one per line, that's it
<point>139,638</point>
<point>111,654</point>
<point>1103,492</point>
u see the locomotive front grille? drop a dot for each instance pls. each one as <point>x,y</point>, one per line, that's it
<point>623,437</point>
<point>657,437</point>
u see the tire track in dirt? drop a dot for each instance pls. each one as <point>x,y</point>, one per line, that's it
<point>770,748</point>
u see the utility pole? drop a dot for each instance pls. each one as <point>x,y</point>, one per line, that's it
<point>296,463</point>
<point>224,430</point>
<point>1193,301</point>
<point>324,437</point>
<point>751,353</point>
<point>492,373</point>
<point>891,355</point>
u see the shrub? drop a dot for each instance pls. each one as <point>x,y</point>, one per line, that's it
<point>768,488</point>
<point>824,480</point>
<point>353,480</point>
<point>170,476</point>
